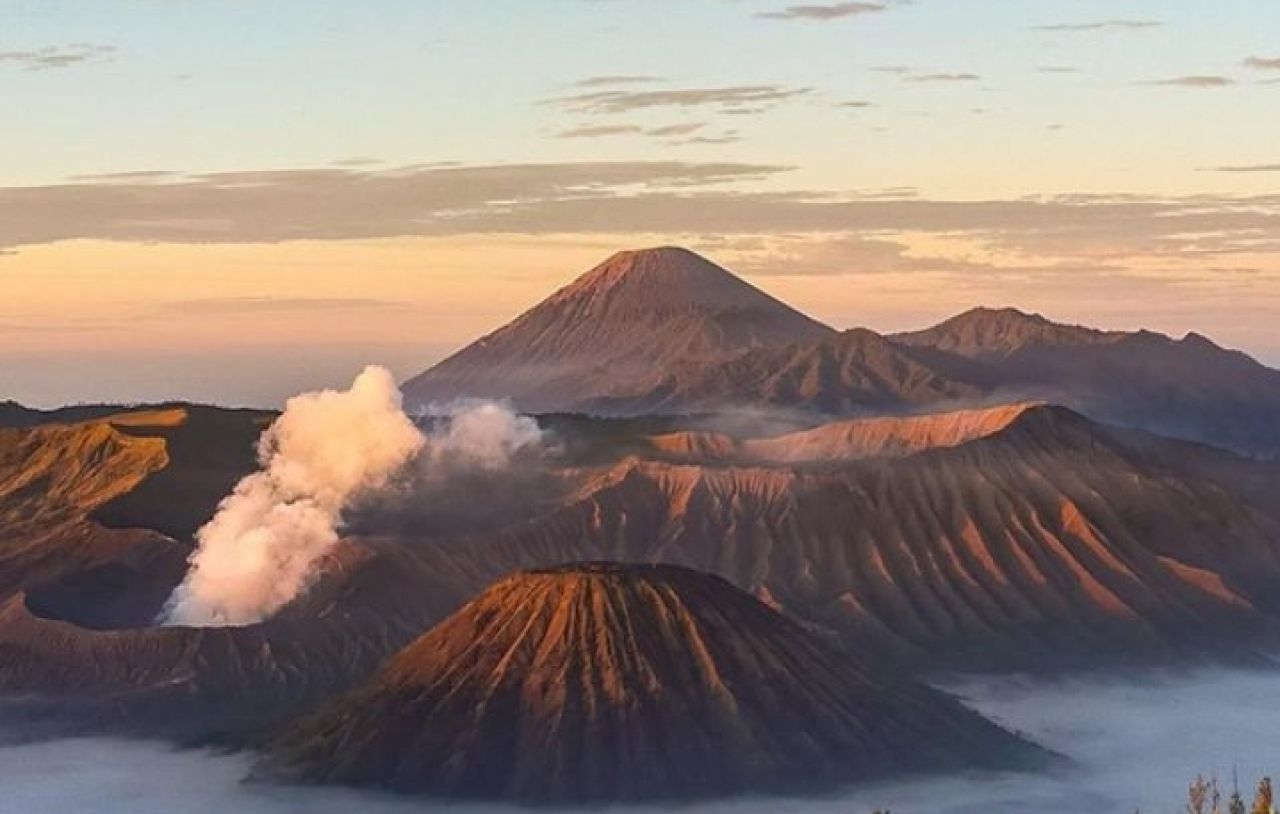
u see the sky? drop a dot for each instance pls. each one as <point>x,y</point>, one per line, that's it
<point>234,200</point>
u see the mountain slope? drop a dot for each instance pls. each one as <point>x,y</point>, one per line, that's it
<point>1186,387</point>
<point>606,682</point>
<point>115,489</point>
<point>844,440</point>
<point>615,332</point>
<point>857,371</point>
<point>1049,541</point>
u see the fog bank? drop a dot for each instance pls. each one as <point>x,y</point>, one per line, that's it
<point>1136,743</point>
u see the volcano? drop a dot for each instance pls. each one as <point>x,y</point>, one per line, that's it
<point>664,331</point>
<point>1019,537</point>
<point>602,682</point>
<point>615,333</point>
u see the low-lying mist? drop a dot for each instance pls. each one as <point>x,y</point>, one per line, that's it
<point>1137,743</point>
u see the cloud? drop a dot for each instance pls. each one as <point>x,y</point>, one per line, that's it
<point>619,101</point>
<point>126,177</point>
<point>600,130</point>
<point>1135,742</point>
<point>725,138</point>
<point>653,198</point>
<point>1058,69</point>
<point>57,56</point>
<point>676,129</point>
<point>944,77</point>
<point>329,203</point>
<point>1102,25</point>
<point>833,11</point>
<point>1200,81</point>
<point>1263,63</point>
<point>855,103</point>
<point>263,547</point>
<point>615,79</point>
<point>1248,168</point>
<point>605,130</point>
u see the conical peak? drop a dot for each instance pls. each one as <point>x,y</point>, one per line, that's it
<point>665,275</point>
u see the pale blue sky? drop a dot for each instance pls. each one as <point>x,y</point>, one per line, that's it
<point>263,84</point>
<point>405,180</point>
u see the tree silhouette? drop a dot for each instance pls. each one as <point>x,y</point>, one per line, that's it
<point>1263,801</point>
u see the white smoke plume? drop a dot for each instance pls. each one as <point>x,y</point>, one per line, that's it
<point>261,548</point>
<point>482,435</point>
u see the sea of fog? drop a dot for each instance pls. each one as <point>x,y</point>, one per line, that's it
<point>1136,744</point>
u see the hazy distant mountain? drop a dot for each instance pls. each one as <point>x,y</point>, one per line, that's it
<point>616,332</point>
<point>664,331</point>
<point>1188,387</point>
<point>857,371</point>
<point>605,682</point>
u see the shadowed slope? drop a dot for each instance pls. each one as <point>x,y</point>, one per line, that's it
<point>113,492</point>
<point>1186,387</point>
<point>857,371</point>
<point>608,682</point>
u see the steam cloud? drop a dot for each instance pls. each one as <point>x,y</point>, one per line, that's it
<point>261,548</point>
<point>328,453</point>
<point>480,435</point>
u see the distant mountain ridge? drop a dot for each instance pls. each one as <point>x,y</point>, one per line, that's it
<point>1188,387</point>
<point>665,331</point>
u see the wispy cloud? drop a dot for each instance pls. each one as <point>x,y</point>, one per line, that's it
<point>329,203</point>
<point>621,101</point>
<point>832,11</point>
<point>944,77</point>
<point>1102,25</point>
<point>683,129</point>
<point>1263,63</point>
<point>1199,81</point>
<point>600,131</point>
<point>1058,69</point>
<point>730,137</point>
<point>1248,168</point>
<point>615,79</point>
<point>132,176</point>
<point>57,56</point>
<point>606,130</point>
<point>668,198</point>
